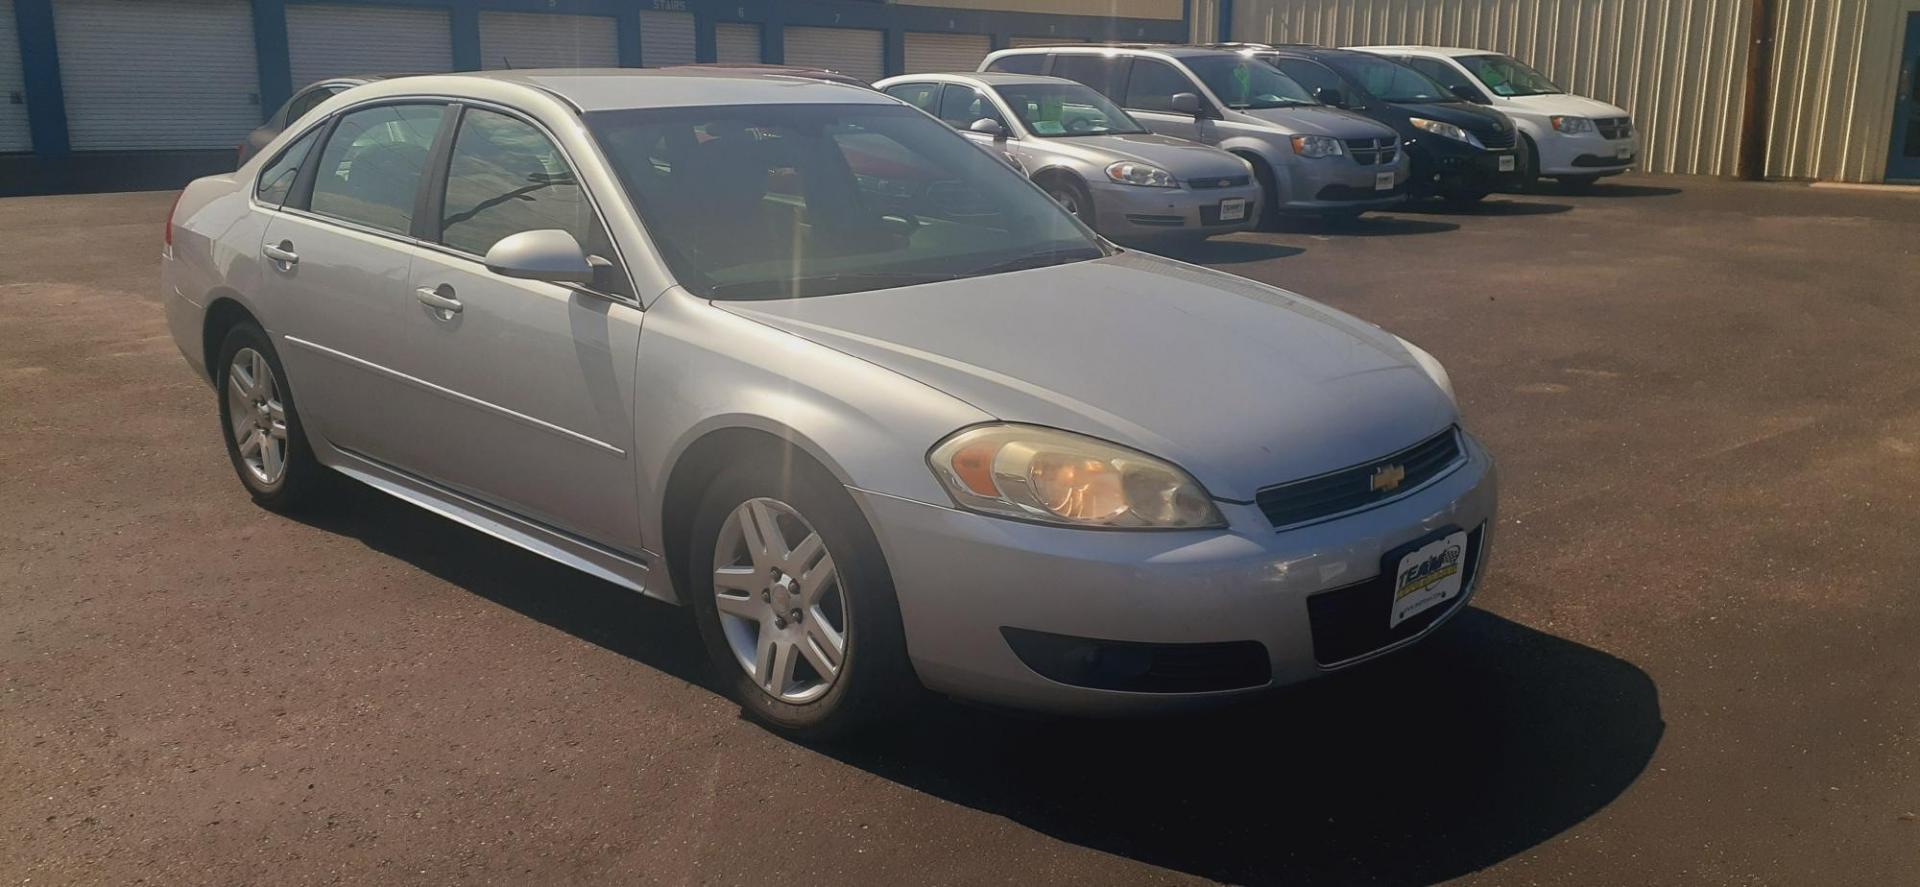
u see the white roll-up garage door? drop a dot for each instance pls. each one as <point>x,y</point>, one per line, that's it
<point>858,52</point>
<point>167,74</point>
<point>666,38</point>
<point>337,41</point>
<point>544,40</point>
<point>928,53</point>
<point>14,135</point>
<point>737,44</point>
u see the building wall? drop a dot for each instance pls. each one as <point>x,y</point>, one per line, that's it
<point>1161,9</point>
<point>1679,66</point>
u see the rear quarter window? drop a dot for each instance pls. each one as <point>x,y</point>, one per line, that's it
<point>1025,63</point>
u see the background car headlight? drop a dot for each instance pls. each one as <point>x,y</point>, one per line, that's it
<point>1126,172</point>
<point>1058,477</point>
<point>1434,370</point>
<point>1445,130</point>
<point>1572,125</point>
<point>1317,146</point>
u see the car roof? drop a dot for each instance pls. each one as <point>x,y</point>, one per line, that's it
<point>1176,50</point>
<point>1435,50</point>
<point>985,78</point>
<point>611,89</point>
<point>827,74</point>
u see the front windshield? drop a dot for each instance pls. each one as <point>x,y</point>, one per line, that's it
<point>1058,110</point>
<point>1508,76</point>
<point>1248,84</point>
<point>1391,81</point>
<point>783,201</point>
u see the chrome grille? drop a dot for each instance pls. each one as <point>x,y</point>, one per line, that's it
<point>1374,152</point>
<point>1614,128</point>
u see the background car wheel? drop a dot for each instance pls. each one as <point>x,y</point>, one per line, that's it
<point>1072,195</point>
<point>1530,174</point>
<point>261,424</point>
<point>1577,184</point>
<point>795,604</point>
<point>1269,193</point>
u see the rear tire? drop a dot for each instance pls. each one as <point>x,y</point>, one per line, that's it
<point>820,560</point>
<point>260,423</point>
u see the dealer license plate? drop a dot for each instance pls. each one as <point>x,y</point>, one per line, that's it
<point>1428,576</point>
<point>1506,163</point>
<point>1623,151</point>
<point>1233,210</point>
<point>1383,181</point>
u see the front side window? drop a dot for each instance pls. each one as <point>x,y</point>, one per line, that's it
<point>787,201</point>
<point>1505,75</point>
<point>1444,74</point>
<point>1391,81</point>
<point>1105,73</point>
<point>372,165</point>
<point>504,177</point>
<point>1314,77</point>
<point>1025,63</point>
<point>920,95</point>
<point>1248,84</point>
<point>1057,110</point>
<point>960,106</point>
<point>276,181</point>
<point>1153,84</point>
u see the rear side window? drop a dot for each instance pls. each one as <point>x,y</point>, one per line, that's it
<point>1025,63</point>
<point>1107,74</point>
<point>960,106</point>
<point>308,101</point>
<point>1152,85</point>
<point>505,177</point>
<point>371,167</point>
<point>920,95</point>
<point>276,181</point>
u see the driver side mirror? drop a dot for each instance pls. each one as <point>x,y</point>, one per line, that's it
<point>987,126</point>
<point>1185,103</point>
<point>549,254</point>
<point>1330,96</point>
<point>1468,94</point>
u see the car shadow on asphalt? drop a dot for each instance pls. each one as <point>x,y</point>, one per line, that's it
<point>1373,224</point>
<point>1474,746</point>
<point>1220,251</point>
<point>1603,188</point>
<point>1491,207</point>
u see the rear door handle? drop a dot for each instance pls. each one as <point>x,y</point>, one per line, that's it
<point>443,302</point>
<point>283,253</point>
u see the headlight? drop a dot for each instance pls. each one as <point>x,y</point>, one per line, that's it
<point>1057,477</point>
<point>1434,370</point>
<point>1572,125</point>
<point>1317,146</point>
<point>1445,130</point>
<point>1126,172</point>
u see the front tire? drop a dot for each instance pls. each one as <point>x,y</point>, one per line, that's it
<point>1577,184</point>
<point>260,423</point>
<point>795,604</point>
<point>1072,196</point>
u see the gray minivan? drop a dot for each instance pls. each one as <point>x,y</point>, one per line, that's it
<point>1310,157</point>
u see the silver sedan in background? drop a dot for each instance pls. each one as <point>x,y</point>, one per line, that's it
<point>797,356</point>
<point>1089,155</point>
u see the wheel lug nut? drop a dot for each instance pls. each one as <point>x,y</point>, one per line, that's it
<point>779,622</point>
<point>795,615</point>
<point>766,595</point>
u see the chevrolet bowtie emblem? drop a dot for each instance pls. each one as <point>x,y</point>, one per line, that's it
<point>1226,183</point>
<point>1387,478</point>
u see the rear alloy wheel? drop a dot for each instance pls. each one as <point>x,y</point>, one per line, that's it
<point>261,424</point>
<point>780,602</point>
<point>256,417</point>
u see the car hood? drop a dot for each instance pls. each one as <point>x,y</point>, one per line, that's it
<point>1178,156</point>
<point>1562,103</point>
<point>1242,384</point>
<point>1322,121</point>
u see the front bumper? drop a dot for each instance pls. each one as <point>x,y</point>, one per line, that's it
<point>1587,154</point>
<point>964,579</point>
<point>1438,168</point>
<point>1340,184</point>
<point>1126,212</point>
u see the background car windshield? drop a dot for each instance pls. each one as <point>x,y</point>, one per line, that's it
<point>1391,81</point>
<point>1508,76</point>
<point>1248,84</point>
<point>758,202</point>
<point>1054,110</point>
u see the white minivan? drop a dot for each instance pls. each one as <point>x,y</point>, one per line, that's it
<point>1571,138</point>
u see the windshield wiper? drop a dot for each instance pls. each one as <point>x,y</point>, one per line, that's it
<point>1039,259</point>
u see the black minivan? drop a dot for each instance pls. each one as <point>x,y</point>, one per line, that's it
<point>1460,151</point>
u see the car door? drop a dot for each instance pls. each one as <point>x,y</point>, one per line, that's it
<point>532,382</point>
<point>962,105</point>
<point>1451,76</point>
<point>1151,86</point>
<point>338,254</point>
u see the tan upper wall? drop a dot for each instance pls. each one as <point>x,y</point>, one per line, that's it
<point>1164,9</point>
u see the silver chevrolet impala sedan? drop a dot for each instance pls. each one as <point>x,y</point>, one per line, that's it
<point>1090,156</point>
<point>802,359</point>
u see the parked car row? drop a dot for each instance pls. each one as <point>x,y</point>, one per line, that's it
<point>881,413</point>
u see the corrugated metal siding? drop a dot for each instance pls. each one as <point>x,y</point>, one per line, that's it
<point>666,38</point>
<point>737,44</point>
<point>927,53</point>
<point>1678,66</point>
<point>14,134</point>
<point>858,52</point>
<point>545,40</point>
<point>335,41</point>
<point>161,74</point>
<point>1836,63</point>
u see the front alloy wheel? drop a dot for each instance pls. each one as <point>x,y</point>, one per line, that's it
<point>781,606</point>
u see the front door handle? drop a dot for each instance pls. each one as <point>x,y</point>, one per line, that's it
<point>283,254</point>
<point>440,300</point>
